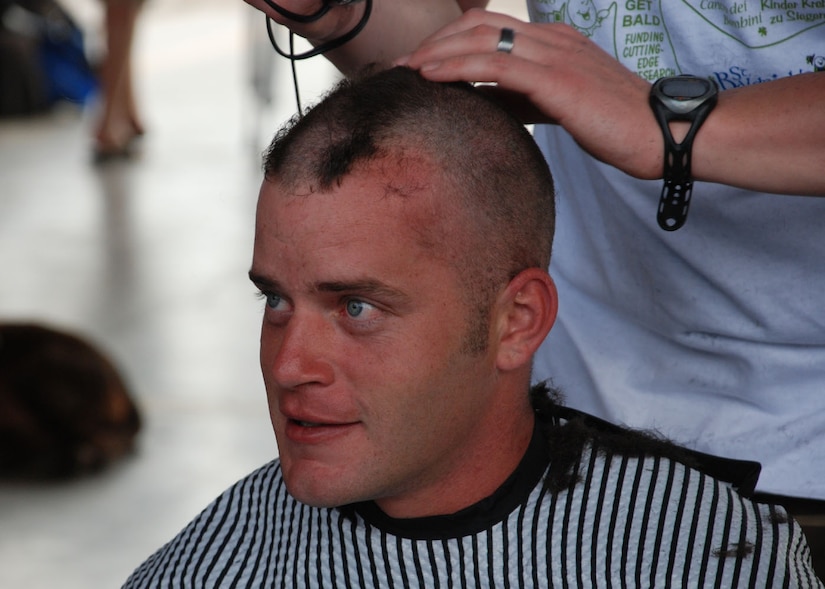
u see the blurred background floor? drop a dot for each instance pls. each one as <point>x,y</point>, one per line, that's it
<point>148,259</point>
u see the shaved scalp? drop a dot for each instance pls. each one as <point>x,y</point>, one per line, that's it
<point>499,184</point>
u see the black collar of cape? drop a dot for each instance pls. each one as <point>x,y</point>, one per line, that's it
<point>473,519</point>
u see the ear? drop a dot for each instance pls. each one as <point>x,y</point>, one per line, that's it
<point>526,311</point>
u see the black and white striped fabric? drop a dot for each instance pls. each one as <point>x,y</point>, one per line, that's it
<point>627,522</point>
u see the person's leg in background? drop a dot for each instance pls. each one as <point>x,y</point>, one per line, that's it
<point>119,121</point>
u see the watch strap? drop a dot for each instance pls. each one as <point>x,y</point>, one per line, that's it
<point>678,183</point>
<point>672,100</point>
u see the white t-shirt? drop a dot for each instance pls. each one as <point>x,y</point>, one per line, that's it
<point>713,334</point>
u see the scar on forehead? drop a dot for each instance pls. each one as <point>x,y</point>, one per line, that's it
<point>405,189</point>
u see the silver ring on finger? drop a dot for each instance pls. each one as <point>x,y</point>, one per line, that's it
<point>506,41</point>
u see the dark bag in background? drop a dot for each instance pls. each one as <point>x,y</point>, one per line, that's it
<point>42,58</point>
<point>65,409</point>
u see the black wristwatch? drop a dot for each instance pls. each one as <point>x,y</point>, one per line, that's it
<point>679,98</point>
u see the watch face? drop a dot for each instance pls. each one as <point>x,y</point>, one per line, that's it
<point>684,88</point>
<point>681,95</point>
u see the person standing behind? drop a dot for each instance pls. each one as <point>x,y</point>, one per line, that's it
<point>711,333</point>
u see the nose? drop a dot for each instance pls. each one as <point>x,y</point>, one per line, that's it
<point>296,354</point>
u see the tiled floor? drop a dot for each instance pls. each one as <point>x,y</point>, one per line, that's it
<point>148,259</point>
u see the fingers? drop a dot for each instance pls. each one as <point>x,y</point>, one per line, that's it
<point>475,18</point>
<point>476,32</point>
<point>563,76</point>
<point>543,43</point>
<point>469,51</point>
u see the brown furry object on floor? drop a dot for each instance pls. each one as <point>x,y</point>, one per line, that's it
<point>64,408</point>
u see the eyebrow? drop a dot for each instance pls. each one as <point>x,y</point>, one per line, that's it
<point>262,282</point>
<point>366,287</point>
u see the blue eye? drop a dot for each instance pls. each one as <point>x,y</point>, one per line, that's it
<point>361,311</point>
<point>272,300</point>
<point>356,307</point>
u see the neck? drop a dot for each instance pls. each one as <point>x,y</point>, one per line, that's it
<point>472,519</point>
<point>479,475</point>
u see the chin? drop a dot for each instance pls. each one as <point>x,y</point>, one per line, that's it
<point>326,498</point>
<point>316,489</point>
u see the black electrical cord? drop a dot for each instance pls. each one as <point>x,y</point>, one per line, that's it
<point>325,47</point>
<point>301,18</point>
<point>320,49</point>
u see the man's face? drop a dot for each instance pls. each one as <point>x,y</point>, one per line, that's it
<point>372,392</point>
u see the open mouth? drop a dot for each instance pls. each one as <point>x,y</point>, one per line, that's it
<point>316,424</point>
<point>313,432</point>
<point>309,424</point>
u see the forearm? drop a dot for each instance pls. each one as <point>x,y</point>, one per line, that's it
<point>768,137</point>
